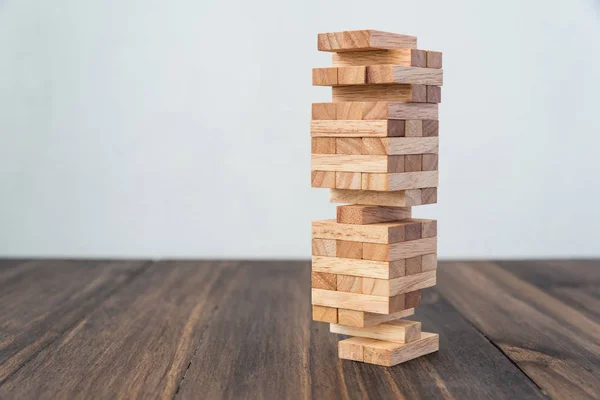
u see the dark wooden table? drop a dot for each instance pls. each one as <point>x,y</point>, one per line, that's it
<point>237,330</point>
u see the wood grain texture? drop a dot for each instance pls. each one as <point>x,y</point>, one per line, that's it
<point>357,163</point>
<point>367,93</point>
<point>395,286</point>
<point>347,249</point>
<point>399,251</point>
<point>352,76</point>
<point>356,128</point>
<point>362,302</point>
<point>378,110</point>
<point>430,128</point>
<point>400,198</point>
<point>381,232</point>
<point>382,74</point>
<point>324,76</point>
<point>359,267</point>
<point>400,145</point>
<point>323,179</point>
<point>389,354</point>
<point>430,162</point>
<point>348,110</point>
<point>406,57</point>
<point>399,181</point>
<point>413,128</point>
<point>349,283</point>
<point>323,280</point>
<point>325,247</point>
<point>434,59</point>
<point>364,40</point>
<point>400,331</point>
<point>325,314</point>
<point>349,146</point>
<point>434,94</point>
<point>323,111</point>
<point>323,145</point>
<point>365,214</point>
<point>361,319</point>
<point>348,180</point>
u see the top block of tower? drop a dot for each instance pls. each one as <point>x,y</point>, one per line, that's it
<point>364,40</point>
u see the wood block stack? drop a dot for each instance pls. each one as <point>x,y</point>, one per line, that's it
<point>376,147</point>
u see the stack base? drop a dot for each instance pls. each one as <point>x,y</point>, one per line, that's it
<point>388,354</point>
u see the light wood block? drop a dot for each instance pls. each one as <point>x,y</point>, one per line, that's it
<point>381,232</point>
<point>364,40</point>
<point>401,198</point>
<point>325,247</point>
<point>348,146</point>
<point>348,110</point>
<point>324,76</point>
<point>365,93</point>
<point>378,110</point>
<point>323,179</point>
<point>399,181</point>
<point>406,57</point>
<point>434,94</point>
<point>434,59</point>
<point>400,250</point>
<point>325,314</point>
<point>363,319</point>
<point>379,74</point>
<point>349,283</point>
<point>348,180</point>
<point>323,111</point>
<point>389,354</point>
<point>357,163</point>
<point>393,287</point>
<point>400,145</point>
<point>352,76</point>
<point>363,302</point>
<point>347,249</point>
<point>400,331</point>
<point>365,214</point>
<point>430,127</point>
<point>323,145</point>
<point>352,348</point>
<point>359,267</point>
<point>323,280</point>
<point>429,262</point>
<point>413,128</point>
<point>356,128</point>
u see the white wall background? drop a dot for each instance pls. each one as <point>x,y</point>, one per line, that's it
<point>150,128</point>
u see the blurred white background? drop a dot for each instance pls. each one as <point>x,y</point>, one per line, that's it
<point>181,128</point>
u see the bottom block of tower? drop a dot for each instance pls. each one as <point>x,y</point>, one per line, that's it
<point>387,353</point>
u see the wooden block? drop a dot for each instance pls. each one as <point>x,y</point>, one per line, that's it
<point>349,283</point>
<point>347,249</point>
<point>399,181</point>
<point>431,127</point>
<point>352,348</point>
<point>403,284</point>
<point>363,319</point>
<point>323,145</point>
<point>367,93</point>
<point>434,59</point>
<point>380,74</point>
<point>430,162</point>
<point>429,195</point>
<point>322,280</point>
<point>400,331</point>
<point>414,265</point>
<point>377,109</point>
<point>413,162</point>
<point>348,180</point>
<point>357,267</point>
<point>413,197</point>
<point>399,145</point>
<point>412,111</point>
<point>323,110</point>
<point>364,40</point>
<point>360,302</point>
<point>381,232</point>
<point>365,214</point>
<point>352,76</point>
<point>429,262</point>
<point>428,227</point>
<point>406,57</point>
<point>324,76</point>
<point>389,354</point>
<point>325,314</point>
<point>348,110</point>
<point>323,179</point>
<point>412,299</point>
<point>356,128</point>
<point>325,247</point>
<point>400,250</point>
<point>434,94</point>
<point>398,198</point>
<point>349,146</point>
<point>357,163</point>
<point>413,128</point>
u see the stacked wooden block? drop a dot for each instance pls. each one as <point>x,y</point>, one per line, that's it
<point>376,147</point>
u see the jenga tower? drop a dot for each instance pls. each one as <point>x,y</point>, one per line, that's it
<point>376,147</point>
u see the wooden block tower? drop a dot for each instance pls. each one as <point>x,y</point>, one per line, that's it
<point>375,146</point>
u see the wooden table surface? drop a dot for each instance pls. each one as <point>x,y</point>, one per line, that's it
<point>237,330</point>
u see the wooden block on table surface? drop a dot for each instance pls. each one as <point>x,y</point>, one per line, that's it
<point>325,247</point>
<point>352,348</point>
<point>429,195</point>
<point>389,354</point>
<point>399,181</point>
<point>434,94</point>
<point>413,162</point>
<point>366,39</point>
<point>323,145</point>
<point>430,162</point>
<point>363,302</point>
<point>414,265</point>
<point>348,146</point>
<point>381,232</point>
<point>323,111</point>
<point>357,163</point>
<point>363,319</point>
<point>396,286</point>
<point>346,249</point>
<point>399,145</point>
<point>381,74</point>
<point>348,180</point>
<point>366,214</point>
<point>323,179</point>
<point>352,76</point>
<point>400,331</point>
<point>324,76</point>
<point>368,93</point>
<point>429,262</point>
<point>356,128</point>
<point>430,127</point>
<point>400,250</point>
<point>407,57</point>
<point>359,267</point>
<point>323,280</point>
<point>434,59</point>
<point>349,283</point>
<point>400,198</point>
<point>325,314</point>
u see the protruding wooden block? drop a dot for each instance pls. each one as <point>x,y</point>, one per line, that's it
<point>365,214</point>
<point>389,353</point>
<point>347,249</point>
<point>325,314</point>
<point>324,76</point>
<point>429,195</point>
<point>399,181</point>
<point>349,283</point>
<point>381,232</point>
<point>359,267</point>
<point>322,280</point>
<point>348,180</point>
<point>323,111</point>
<point>393,287</point>
<point>323,145</point>
<point>399,145</point>
<point>358,128</point>
<point>348,146</point>
<point>381,74</point>
<point>352,76</point>
<point>429,262</point>
<point>434,94</point>
<point>352,348</point>
<point>434,59</point>
<point>323,179</point>
<point>415,93</point>
<point>363,302</point>
<point>400,250</point>
<point>357,163</point>
<point>363,319</point>
<point>364,40</point>
<point>400,198</point>
<point>400,331</point>
<point>430,162</point>
<point>325,247</point>
<point>406,57</point>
